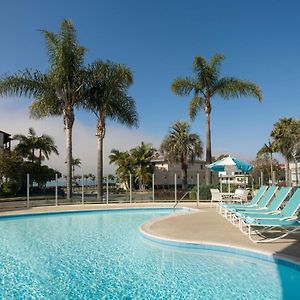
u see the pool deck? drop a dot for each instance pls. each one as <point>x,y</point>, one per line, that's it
<point>202,225</point>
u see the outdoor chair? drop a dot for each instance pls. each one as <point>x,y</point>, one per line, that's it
<point>273,207</point>
<point>261,205</point>
<point>223,208</point>
<point>284,219</point>
<point>216,196</point>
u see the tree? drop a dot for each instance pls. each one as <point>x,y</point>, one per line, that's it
<point>107,97</point>
<point>268,149</point>
<point>76,162</point>
<point>142,156</point>
<point>286,135</point>
<point>44,144</point>
<point>181,146</point>
<point>58,91</point>
<point>262,165</point>
<point>125,164</point>
<point>207,84</point>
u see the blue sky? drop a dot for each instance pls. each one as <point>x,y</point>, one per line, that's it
<point>158,40</point>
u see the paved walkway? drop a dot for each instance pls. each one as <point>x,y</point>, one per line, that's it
<point>203,225</point>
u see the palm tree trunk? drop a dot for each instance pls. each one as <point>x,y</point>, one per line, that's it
<point>287,172</point>
<point>208,147</point>
<point>99,168</point>
<point>68,122</point>
<point>69,162</point>
<point>100,133</point>
<point>271,164</point>
<point>184,168</point>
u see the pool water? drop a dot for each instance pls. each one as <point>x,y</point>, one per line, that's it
<point>102,255</point>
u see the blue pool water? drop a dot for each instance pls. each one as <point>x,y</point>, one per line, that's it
<point>102,255</point>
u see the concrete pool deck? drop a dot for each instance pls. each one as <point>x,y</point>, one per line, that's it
<point>202,225</point>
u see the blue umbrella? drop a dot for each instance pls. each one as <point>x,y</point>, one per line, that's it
<point>230,163</point>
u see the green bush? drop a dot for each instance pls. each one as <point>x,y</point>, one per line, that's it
<point>9,188</point>
<point>204,192</point>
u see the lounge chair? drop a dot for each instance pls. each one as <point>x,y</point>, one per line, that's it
<point>252,203</point>
<point>273,207</point>
<point>284,228</point>
<point>261,205</point>
<point>286,218</point>
<point>286,213</point>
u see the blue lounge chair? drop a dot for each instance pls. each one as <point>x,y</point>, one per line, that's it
<point>286,213</point>
<point>283,228</point>
<point>261,205</point>
<point>271,209</point>
<point>252,203</point>
<point>286,220</point>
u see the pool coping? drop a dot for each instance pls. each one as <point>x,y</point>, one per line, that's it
<point>214,246</point>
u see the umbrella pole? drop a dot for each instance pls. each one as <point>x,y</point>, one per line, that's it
<point>221,188</point>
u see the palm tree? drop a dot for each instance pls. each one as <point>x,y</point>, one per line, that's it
<point>28,144</point>
<point>76,162</point>
<point>125,164</point>
<point>181,146</point>
<point>286,134</point>
<point>58,91</point>
<point>107,98</point>
<point>268,149</point>
<point>142,156</point>
<point>207,84</point>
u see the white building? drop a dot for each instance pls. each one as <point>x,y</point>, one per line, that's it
<point>236,178</point>
<point>164,172</point>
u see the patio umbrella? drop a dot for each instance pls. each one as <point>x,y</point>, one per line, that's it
<point>230,164</point>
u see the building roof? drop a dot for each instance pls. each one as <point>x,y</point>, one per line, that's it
<point>6,136</point>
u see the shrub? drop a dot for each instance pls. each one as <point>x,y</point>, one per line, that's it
<point>204,192</point>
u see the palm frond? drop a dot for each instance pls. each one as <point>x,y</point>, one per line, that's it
<point>27,83</point>
<point>194,106</point>
<point>230,87</point>
<point>183,86</point>
<point>215,64</point>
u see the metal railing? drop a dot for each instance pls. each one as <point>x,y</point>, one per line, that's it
<point>177,201</point>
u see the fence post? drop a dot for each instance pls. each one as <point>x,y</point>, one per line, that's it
<point>153,187</point>
<point>56,189</point>
<point>106,189</point>
<point>130,189</point>
<point>82,190</point>
<point>28,183</point>
<point>175,186</point>
<point>198,189</point>
<point>274,178</point>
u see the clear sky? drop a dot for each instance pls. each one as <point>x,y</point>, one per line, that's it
<point>158,41</point>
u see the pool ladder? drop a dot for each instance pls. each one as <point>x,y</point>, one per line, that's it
<point>176,203</point>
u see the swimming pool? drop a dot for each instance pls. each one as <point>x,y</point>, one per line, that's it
<point>102,255</point>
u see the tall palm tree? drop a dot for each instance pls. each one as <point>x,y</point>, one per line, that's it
<point>181,146</point>
<point>268,149</point>
<point>142,156</point>
<point>286,134</point>
<point>206,84</point>
<point>28,144</point>
<point>107,97</point>
<point>58,91</point>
